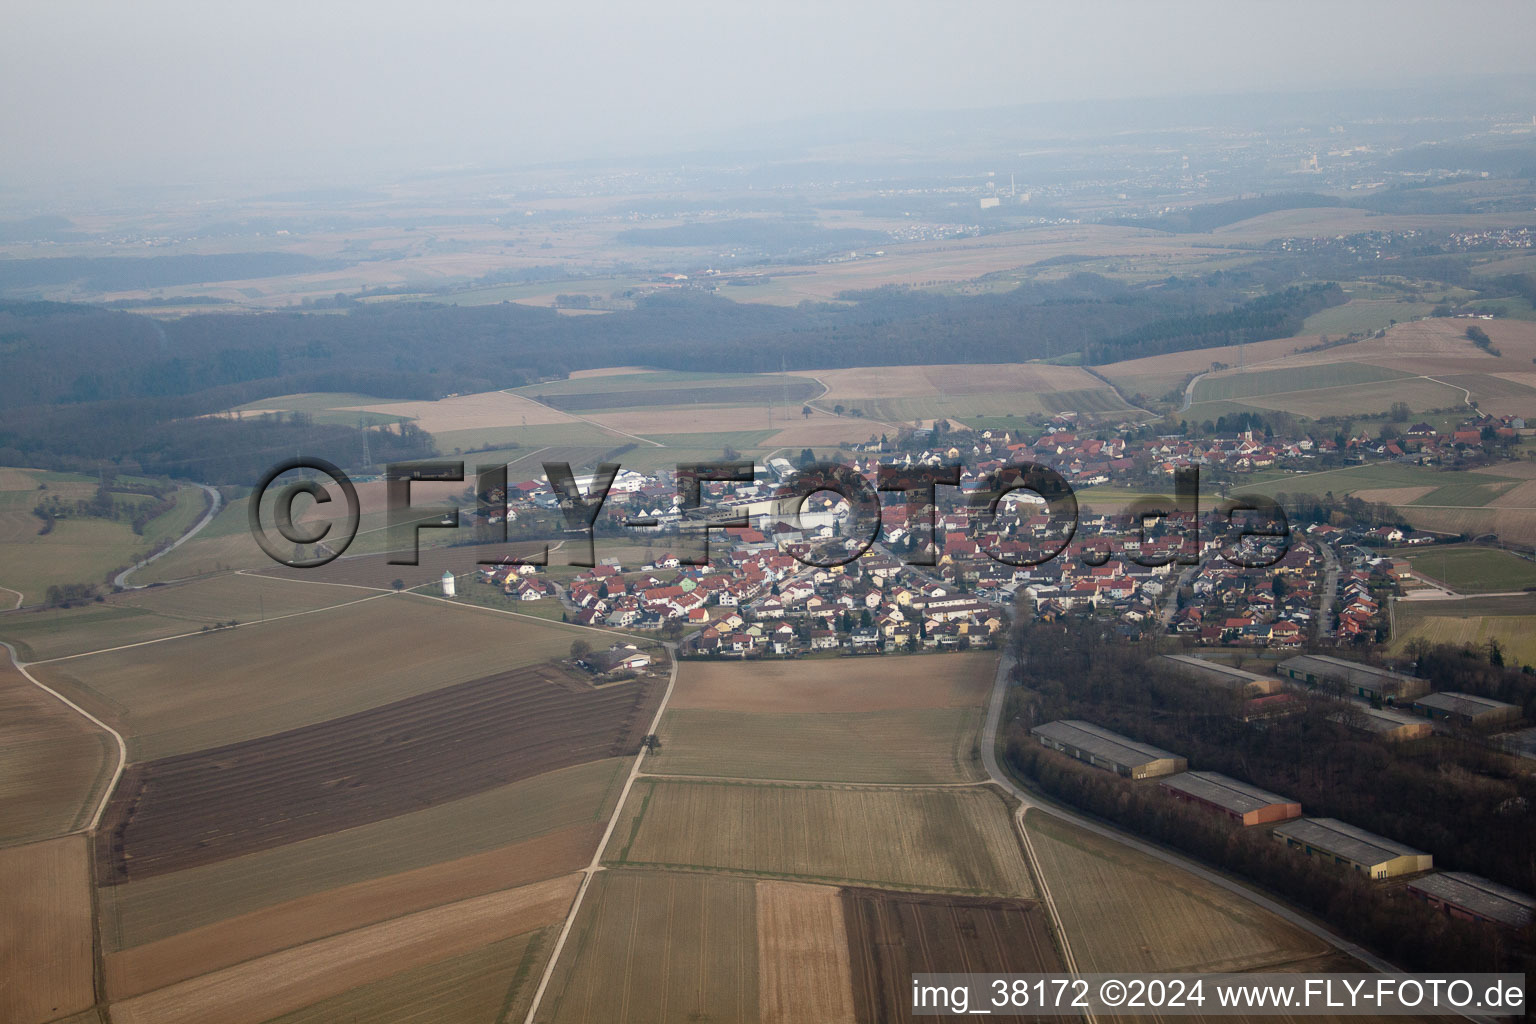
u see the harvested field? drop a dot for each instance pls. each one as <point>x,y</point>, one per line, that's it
<point>257,990</point>
<point>158,612</point>
<point>1395,496</point>
<point>465,412</point>
<point>804,971</point>
<point>517,816</point>
<point>228,942</point>
<point>53,763</point>
<point>193,809</point>
<point>1515,525</point>
<point>1156,375</point>
<point>1126,912</point>
<point>1508,620</point>
<point>764,389</point>
<point>892,936</point>
<point>957,840</point>
<point>842,684</point>
<point>656,947</point>
<point>964,391</point>
<point>492,984</point>
<point>820,428</point>
<point>926,746</point>
<point>46,933</point>
<point>236,684</point>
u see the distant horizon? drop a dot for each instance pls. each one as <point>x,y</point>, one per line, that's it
<point>175,94</point>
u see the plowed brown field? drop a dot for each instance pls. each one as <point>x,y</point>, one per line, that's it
<point>194,809</point>
<point>892,936</point>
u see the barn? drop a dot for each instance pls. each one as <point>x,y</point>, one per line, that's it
<point>1472,898</point>
<point>1329,839</point>
<point>1466,709</point>
<point>1108,750</point>
<point>1249,684</point>
<point>1357,679</point>
<point>1239,801</point>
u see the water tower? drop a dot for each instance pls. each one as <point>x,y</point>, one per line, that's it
<point>447,583</point>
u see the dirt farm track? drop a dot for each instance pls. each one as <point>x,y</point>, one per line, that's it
<point>193,809</point>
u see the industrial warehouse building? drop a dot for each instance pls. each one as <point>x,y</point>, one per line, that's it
<point>1355,848</point>
<point>1111,751</point>
<point>1474,899</point>
<point>1360,680</point>
<point>1249,684</point>
<point>1387,723</point>
<point>1466,709</point>
<point>1237,800</point>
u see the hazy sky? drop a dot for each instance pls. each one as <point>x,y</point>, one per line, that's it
<point>170,90</point>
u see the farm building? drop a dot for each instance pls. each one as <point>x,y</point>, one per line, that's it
<point>1238,800</point>
<point>1104,749</point>
<point>1466,709</point>
<point>1360,680</point>
<point>1355,848</point>
<point>1387,723</point>
<point>1474,899</point>
<point>1248,683</point>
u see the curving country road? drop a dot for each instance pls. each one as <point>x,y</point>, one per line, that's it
<point>122,745</point>
<point>215,500</point>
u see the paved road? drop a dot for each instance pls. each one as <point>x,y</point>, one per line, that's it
<point>1038,804</point>
<point>595,865</point>
<point>1330,590</point>
<point>117,737</point>
<point>214,501</point>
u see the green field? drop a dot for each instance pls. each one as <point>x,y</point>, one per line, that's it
<point>78,549</point>
<point>156,612</point>
<point>1362,316</point>
<point>1468,492</point>
<point>1259,383</point>
<point>148,909</point>
<point>1475,570</point>
<point>1377,476</point>
<point>935,745</point>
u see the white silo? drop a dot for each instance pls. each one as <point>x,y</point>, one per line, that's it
<point>447,583</point>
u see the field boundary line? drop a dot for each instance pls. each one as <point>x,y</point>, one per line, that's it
<point>200,632</point>
<point>811,783</point>
<point>20,597</point>
<point>599,426</point>
<point>596,863</point>
<point>1465,392</point>
<point>122,745</point>
<point>548,622</point>
<point>261,574</point>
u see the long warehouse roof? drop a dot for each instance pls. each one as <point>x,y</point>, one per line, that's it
<point>1346,840</point>
<point>1101,742</point>
<point>1224,791</point>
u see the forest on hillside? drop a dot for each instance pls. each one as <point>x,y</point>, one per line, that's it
<point>80,384</point>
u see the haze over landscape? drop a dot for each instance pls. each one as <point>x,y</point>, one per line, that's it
<point>788,499</point>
